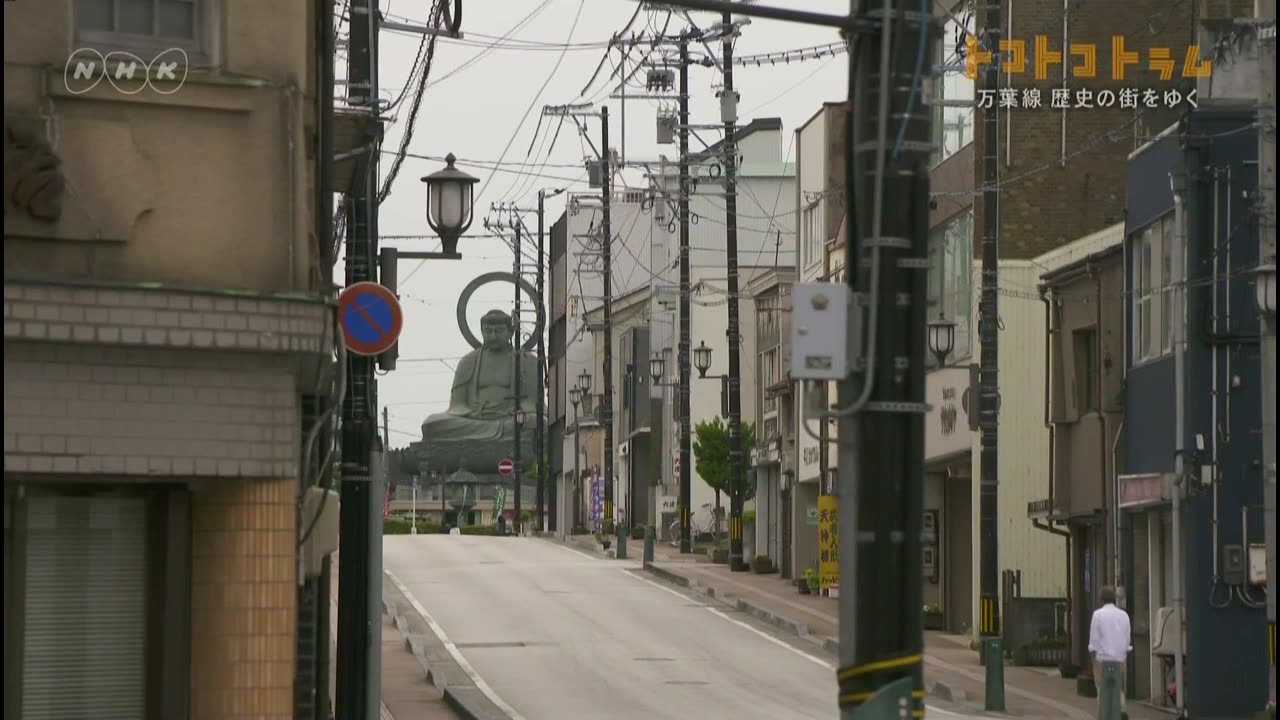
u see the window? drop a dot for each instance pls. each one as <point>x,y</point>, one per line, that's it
<point>813,240</point>
<point>1155,277</point>
<point>151,25</point>
<point>97,603</point>
<point>1084,343</point>
<point>951,280</point>
<point>952,125</point>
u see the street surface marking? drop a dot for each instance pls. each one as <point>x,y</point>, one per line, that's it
<point>577,552</point>
<point>453,651</point>
<point>811,658</point>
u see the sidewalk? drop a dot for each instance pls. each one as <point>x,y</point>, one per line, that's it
<point>407,694</point>
<point>952,672</point>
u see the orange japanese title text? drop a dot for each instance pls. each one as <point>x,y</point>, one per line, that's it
<point>1083,59</point>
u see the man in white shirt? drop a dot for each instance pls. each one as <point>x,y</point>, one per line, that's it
<point>1110,642</point>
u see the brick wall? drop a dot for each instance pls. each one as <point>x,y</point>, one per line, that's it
<point>77,409</point>
<point>1045,204</point>
<point>243,600</point>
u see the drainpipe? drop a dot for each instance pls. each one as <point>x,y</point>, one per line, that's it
<point>1109,543</point>
<point>1178,182</point>
<point>1048,525</point>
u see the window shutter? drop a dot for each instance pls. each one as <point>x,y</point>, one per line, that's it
<point>85,611</point>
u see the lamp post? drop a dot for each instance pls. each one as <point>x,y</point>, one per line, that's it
<point>450,196</point>
<point>702,362</point>
<point>658,368</point>
<point>575,396</point>
<point>942,338</point>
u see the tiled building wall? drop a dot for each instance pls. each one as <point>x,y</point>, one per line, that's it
<point>243,599</point>
<point>72,409</point>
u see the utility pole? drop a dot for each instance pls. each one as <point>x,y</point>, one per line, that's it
<point>988,379</point>
<point>516,346</point>
<point>729,114</point>
<point>686,332</point>
<point>606,243</point>
<point>539,438</point>
<point>357,622</point>
<point>881,447</point>
<point>1267,256</point>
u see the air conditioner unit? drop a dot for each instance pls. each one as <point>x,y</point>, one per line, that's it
<point>1164,633</point>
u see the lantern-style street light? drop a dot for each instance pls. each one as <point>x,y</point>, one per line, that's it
<point>584,382</point>
<point>942,338</point>
<point>450,193</point>
<point>1264,285</point>
<point>702,358</point>
<point>657,366</point>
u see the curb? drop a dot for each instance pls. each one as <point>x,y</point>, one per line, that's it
<point>438,666</point>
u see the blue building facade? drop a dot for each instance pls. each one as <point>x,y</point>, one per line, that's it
<point>1226,636</point>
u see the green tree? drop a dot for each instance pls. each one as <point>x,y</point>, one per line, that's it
<point>711,457</point>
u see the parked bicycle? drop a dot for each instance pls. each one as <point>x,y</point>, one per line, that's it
<point>701,522</point>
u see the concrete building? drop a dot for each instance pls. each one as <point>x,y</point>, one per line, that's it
<point>645,258</point>
<point>774,454</point>
<point>819,202</point>
<point>1061,177</point>
<point>1084,413</point>
<point>1188,286</point>
<point>167,320</point>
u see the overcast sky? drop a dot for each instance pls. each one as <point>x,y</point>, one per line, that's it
<point>484,105</point>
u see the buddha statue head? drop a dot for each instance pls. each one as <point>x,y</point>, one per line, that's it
<point>495,328</point>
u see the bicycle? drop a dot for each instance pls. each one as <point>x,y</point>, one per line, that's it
<point>696,529</point>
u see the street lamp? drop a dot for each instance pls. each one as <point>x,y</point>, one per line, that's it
<point>702,358</point>
<point>656,367</point>
<point>574,395</point>
<point>1264,285</point>
<point>942,338</point>
<point>584,382</point>
<point>449,204</point>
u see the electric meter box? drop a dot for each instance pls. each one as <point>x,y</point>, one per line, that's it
<point>822,346</point>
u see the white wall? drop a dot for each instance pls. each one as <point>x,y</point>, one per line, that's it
<point>811,142</point>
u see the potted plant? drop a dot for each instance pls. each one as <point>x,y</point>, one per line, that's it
<point>762,565</point>
<point>933,617</point>
<point>606,534</point>
<point>811,580</point>
<point>718,553</point>
<point>1043,652</point>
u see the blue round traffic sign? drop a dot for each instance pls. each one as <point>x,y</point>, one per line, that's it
<point>370,317</point>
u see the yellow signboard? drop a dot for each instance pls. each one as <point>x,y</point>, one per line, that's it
<point>828,541</point>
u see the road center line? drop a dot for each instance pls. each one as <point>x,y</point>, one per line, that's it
<point>453,651</point>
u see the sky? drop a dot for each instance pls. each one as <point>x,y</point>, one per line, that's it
<point>484,104</point>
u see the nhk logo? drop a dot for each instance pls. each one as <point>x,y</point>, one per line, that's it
<point>164,74</point>
<point>1084,58</point>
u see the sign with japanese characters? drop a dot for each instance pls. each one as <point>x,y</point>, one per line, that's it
<point>597,504</point>
<point>828,541</point>
<point>1081,59</point>
<point>1085,98</point>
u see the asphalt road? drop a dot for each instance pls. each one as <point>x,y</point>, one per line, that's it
<point>556,634</point>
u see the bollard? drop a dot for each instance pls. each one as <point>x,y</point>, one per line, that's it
<point>621,554</point>
<point>993,654</point>
<point>648,545</point>
<point>1109,691</point>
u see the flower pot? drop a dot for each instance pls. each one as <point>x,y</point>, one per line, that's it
<point>802,586</point>
<point>1069,671</point>
<point>606,543</point>
<point>935,621</point>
